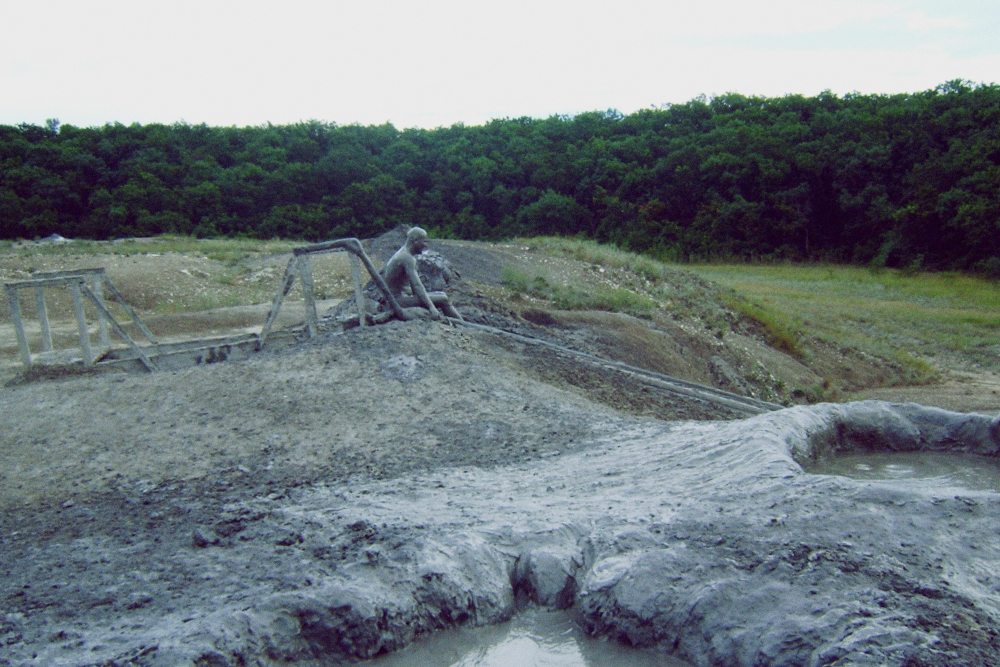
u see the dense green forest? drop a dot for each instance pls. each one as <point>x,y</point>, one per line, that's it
<point>897,180</point>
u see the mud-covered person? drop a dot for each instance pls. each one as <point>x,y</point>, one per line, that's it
<point>401,269</point>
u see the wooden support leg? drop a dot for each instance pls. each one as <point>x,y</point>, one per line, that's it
<point>117,296</point>
<point>43,318</point>
<point>103,312</point>
<point>81,321</point>
<point>286,286</point>
<point>305,272</point>
<point>359,294</point>
<point>15,316</point>
<point>97,288</point>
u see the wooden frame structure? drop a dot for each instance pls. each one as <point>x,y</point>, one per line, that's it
<point>77,282</point>
<point>300,266</point>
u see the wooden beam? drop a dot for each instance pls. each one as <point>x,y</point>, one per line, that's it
<point>43,318</point>
<point>15,316</point>
<point>105,314</point>
<point>88,355</point>
<point>306,276</point>
<point>117,296</point>
<point>68,274</point>
<point>46,282</point>
<point>97,287</point>
<point>359,294</point>
<point>283,289</point>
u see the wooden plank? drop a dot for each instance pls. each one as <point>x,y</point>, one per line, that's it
<point>377,277</point>
<point>97,287</point>
<point>46,282</point>
<point>306,276</point>
<point>88,355</point>
<point>326,246</point>
<point>117,296</point>
<point>359,294</point>
<point>43,318</point>
<point>283,289</point>
<point>106,315</point>
<point>70,273</point>
<point>354,246</point>
<point>15,316</point>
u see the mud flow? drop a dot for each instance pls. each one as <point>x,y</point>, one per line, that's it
<point>929,470</point>
<point>535,638</point>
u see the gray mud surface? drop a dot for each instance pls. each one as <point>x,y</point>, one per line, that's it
<point>333,502</point>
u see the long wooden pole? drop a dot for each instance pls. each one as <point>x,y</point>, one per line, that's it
<point>286,286</point>
<point>15,316</point>
<point>97,287</point>
<point>43,318</point>
<point>88,355</point>
<point>108,318</point>
<point>359,293</point>
<point>306,275</point>
<point>117,296</point>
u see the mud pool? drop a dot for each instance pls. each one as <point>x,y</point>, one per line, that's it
<point>706,540</point>
<point>534,638</point>
<point>941,471</point>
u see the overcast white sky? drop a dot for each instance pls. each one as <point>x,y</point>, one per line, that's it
<point>431,63</point>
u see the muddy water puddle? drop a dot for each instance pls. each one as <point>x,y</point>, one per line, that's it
<point>970,472</point>
<point>535,638</point>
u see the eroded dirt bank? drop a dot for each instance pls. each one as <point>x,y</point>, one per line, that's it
<point>331,503</point>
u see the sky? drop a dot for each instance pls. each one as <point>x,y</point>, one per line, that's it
<point>434,63</point>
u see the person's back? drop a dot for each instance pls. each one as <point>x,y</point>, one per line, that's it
<point>396,271</point>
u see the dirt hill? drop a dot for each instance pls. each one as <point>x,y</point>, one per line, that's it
<point>163,498</point>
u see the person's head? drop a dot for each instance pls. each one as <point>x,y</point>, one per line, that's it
<point>415,238</point>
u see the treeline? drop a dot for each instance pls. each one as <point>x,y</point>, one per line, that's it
<point>896,180</point>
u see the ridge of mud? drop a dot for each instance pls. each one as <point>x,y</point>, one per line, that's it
<point>704,539</point>
<point>338,499</point>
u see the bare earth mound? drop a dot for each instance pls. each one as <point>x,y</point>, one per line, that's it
<point>332,501</point>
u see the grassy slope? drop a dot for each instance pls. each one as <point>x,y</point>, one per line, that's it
<point>925,322</point>
<point>934,318</point>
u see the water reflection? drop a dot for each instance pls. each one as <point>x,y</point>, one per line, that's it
<point>535,638</point>
<point>970,472</point>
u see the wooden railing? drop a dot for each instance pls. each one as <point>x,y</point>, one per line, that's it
<point>300,266</point>
<point>77,282</point>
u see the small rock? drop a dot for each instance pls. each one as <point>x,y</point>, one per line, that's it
<point>203,537</point>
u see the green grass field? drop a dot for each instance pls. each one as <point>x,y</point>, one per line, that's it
<point>925,321</point>
<point>910,317</point>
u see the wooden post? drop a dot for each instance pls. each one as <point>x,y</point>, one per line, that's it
<point>117,296</point>
<point>306,274</point>
<point>43,318</point>
<point>88,355</point>
<point>97,287</point>
<point>359,295</point>
<point>283,290</point>
<point>354,246</point>
<point>15,315</point>
<point>103,312</point>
